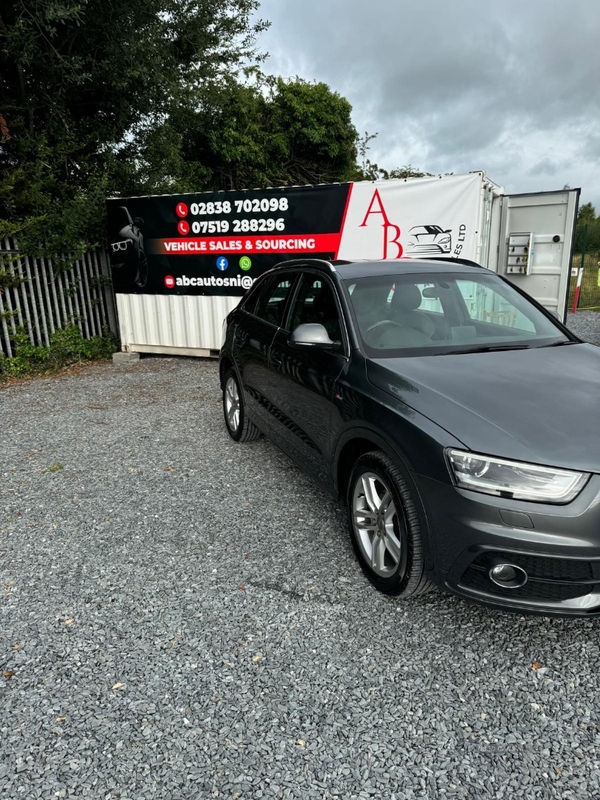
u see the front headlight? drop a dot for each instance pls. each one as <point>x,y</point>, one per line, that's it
<point>515,480</point>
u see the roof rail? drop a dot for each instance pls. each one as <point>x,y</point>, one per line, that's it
<point>313,262</point>
<point>452,259</point>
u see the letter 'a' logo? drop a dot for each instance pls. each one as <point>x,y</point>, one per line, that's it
<point>391,232</point>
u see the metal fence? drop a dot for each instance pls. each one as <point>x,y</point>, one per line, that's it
<point>590,282</point>
<point>41,296</point>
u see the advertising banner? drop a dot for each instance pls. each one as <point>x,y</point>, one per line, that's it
<point>218,243</point>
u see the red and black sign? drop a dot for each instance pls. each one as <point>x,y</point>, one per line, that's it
<point>217,243</point>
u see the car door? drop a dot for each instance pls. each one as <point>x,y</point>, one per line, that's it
<point>304,377</point>
<point>256,326</point>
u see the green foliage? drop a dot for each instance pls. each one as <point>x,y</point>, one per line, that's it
<point>128,97</point>
<point>269,132</point>
<point>8,279</point>
<point>586,214</point>
<point>587,231</point>
<point>80,80</point>
<point>67,346</point>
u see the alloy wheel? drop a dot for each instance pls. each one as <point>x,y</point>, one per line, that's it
<point>232,405</point>
<point>376,524</point>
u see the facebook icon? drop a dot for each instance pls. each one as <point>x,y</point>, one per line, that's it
<point>222,263</point>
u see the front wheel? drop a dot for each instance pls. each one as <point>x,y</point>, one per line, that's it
<point>385,528</point>
<point>238,425</point>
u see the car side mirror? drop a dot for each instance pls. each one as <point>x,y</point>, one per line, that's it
<point>311,334</point>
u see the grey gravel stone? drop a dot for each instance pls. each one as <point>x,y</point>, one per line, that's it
<point>184,618</point>
<point>586,325</point>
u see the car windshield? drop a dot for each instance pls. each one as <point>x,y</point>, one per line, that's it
<point>436,314</point>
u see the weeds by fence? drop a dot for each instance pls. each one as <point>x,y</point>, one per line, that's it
<point>42,296</point>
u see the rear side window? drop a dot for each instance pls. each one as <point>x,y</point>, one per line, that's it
<point>250,299</point>
<point>272,300</point>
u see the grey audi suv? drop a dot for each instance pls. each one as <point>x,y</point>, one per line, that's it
<point>455,417</point>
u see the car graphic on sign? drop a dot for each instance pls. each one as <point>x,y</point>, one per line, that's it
<point>127,249</point>
<point>429,240</point>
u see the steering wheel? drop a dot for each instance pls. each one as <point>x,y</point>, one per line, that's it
<point>382,327</point>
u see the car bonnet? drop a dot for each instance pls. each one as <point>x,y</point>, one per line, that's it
<point>540,405</point>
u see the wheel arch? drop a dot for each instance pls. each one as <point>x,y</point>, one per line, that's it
<point>355,443</point>
<point>225,365</point>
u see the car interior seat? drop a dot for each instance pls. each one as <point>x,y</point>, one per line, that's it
<point>370,303</point>
<point>405,302</point>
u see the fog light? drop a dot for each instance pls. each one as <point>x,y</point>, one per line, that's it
<point>508,576</point>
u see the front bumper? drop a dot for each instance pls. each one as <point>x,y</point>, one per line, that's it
<point>557,546</point>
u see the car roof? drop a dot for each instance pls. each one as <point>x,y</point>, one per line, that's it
<point>349,270</point>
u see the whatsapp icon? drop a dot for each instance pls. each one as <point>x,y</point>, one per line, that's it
<point>245,263</point>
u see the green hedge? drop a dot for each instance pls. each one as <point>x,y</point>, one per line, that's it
<point>67,346</point>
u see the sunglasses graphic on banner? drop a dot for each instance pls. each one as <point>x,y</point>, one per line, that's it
<point>116,246</point>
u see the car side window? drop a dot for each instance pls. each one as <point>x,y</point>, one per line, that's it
<point>271,302</point>
<point>315,302</point>
<point>250,299</point>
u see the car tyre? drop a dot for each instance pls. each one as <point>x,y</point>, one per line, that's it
<point>239,427</point>
<point>385,528</point>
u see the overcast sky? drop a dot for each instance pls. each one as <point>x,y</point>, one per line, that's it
<point>511,87</point>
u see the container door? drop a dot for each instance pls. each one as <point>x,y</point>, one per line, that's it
<point>535,240</point>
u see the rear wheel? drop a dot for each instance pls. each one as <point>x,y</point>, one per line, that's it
<point>238,425</point>
<point>385,528</point>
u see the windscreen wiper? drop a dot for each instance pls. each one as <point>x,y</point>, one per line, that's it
<point>487,348</point>
<point>559,344</point>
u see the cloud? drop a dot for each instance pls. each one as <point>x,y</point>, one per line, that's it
<point>544,166</point>
<point>457,86</point>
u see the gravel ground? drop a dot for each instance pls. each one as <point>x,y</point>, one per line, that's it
<point>183,617</point>
<point>586,325</point>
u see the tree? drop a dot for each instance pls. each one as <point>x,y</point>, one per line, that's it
<point>79,80</point>
<point>266,132</point>
<point>587,230</point>
<point>586,214</point>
